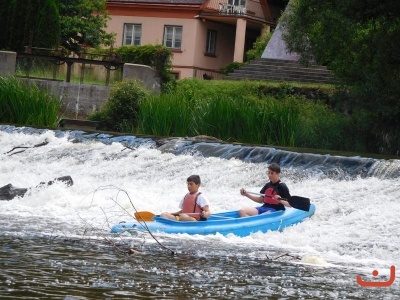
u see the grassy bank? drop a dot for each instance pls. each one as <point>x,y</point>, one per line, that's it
<point>286,115</point>
<point>289,115</point>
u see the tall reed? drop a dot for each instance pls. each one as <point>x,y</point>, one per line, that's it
<point>167,115</point>
<point>242,119</point>
<point>21,103</point>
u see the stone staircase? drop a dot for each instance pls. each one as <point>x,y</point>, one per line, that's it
<point>281,70</point>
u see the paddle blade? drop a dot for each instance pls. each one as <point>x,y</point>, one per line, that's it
<point>144,216</point>
<point>298,202</point>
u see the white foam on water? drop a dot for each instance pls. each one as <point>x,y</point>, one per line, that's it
<point>355,222</point>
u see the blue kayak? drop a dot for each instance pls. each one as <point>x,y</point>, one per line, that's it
<point>223,223</point>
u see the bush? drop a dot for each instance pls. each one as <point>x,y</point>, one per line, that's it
<point>120,112</point>
<point>259,46</point>
<point>231,67</point>
<point>323,128</point>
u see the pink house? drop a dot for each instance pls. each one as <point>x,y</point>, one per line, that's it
<point>204,35</point>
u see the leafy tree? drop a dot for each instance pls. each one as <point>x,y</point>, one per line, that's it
<point>47,25</point>
<point>83,23</point>
<point>358,41</point>
<point>35,21</point>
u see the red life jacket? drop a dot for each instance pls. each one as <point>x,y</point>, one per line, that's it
<point>269,193</point>
<point>190,205</point>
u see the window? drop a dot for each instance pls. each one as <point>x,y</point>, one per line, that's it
<point>211,42</point>
<point>176,75</point>
<point>173,37</point>
<point>237,2</point>
<point>132,34</point>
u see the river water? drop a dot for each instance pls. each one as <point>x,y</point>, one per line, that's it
<point>55,242</point>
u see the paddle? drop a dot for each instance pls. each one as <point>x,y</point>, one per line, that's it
<point>147,216</point>
<point>297,202</point>
<point>144,216</point>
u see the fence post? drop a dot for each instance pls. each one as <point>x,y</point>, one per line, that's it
<point>69,67</point>
<point>8,63</point>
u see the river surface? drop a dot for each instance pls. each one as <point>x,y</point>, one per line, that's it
<point>55,242</point>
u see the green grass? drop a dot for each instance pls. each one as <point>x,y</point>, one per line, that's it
<point>167,115</point>
<point>240,119</point>
<point>25,104</point>
<point>241,112</point>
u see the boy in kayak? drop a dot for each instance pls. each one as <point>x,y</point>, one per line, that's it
<point>194,206</point>
<point>274,190</point>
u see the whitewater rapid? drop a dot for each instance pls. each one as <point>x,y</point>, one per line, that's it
<point>355,225</point>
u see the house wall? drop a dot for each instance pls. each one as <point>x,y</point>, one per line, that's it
<point>194,36</point>
<point>225,41</point>
<point>236,30</point>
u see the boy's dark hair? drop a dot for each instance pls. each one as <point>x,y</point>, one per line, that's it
<point>274,167</point>
<point>194,178</point>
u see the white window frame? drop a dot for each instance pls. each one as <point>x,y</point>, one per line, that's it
<point>133,32</point>
<point>173,36</point>
<point>237,2</point>
<point>211,42</point>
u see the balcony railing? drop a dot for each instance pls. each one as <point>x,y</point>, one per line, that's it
<point>226,8</point>
<point>250,8</point>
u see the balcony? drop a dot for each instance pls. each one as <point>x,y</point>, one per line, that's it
<point>230,9</point>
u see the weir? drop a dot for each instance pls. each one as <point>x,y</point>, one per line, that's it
<point>326,165</point>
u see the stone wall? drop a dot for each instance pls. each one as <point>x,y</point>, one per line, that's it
<point>79,100</point>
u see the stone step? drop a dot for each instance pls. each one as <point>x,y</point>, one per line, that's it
<point>288,79</point>
<point>281,67</point>
<point>282,70</point>
<point>284,62</point>
<point>281,75</point>
<point>279,70</point>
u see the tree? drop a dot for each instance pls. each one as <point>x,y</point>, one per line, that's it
<point>48,25</point>
<point>25,22</point>
<point>83,23</point>
<point>358,41</point>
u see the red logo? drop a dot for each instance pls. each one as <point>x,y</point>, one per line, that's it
<point>378,283</point>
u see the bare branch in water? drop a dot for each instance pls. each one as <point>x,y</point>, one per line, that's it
<point>25,147</point>
<point>119,190</point>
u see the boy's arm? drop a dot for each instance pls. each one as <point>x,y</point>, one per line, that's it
<point>258,199</point>
<point>284,193</point>
<point>205,211</point>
